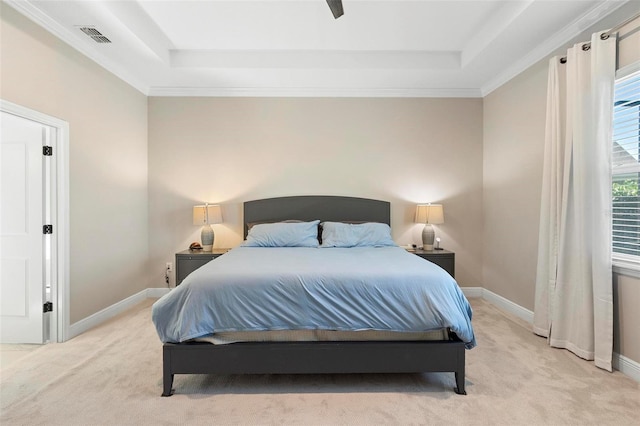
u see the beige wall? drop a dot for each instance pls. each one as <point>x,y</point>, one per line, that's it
<point>513,146</point>
<point>232,150</point>
<point>108,158</point>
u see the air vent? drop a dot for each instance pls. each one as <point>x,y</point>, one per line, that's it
<point>96,35</point>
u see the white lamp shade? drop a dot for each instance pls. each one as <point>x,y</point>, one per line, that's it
<point>430,213</point>
<point>207,214</point>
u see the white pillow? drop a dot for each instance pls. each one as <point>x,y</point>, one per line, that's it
<point>370,234</point>
<point>283,234</point>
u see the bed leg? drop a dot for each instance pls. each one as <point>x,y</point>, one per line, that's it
<point>167,383</point>
<point>460,383</point>
<point>167,375</point>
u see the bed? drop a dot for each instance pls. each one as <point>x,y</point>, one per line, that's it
<point>187,333</point>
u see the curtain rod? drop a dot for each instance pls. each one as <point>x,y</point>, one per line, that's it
<point>617,27</point>
<point>605,35</point>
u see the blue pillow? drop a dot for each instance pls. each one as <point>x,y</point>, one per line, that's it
<point>370,234</point>
<point>283,234</point>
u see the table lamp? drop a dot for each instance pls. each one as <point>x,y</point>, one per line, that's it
<point>429,214</point>
<point>206,215</point>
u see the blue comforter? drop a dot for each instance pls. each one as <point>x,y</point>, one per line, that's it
<point>362,288</point>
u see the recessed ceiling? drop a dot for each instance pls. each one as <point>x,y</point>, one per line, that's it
<point>297,48</point>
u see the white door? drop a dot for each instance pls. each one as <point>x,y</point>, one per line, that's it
<point>21,237</point>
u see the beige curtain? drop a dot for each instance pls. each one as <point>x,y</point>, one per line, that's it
<point>574,301</point>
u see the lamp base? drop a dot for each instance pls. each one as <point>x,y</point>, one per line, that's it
<point>207,236</point>
<point>428,236</point>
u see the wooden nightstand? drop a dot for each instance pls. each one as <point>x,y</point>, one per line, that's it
<point>188,261</point>
<point>443,258</point>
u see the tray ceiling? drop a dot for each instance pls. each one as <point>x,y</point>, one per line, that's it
<point>297,48</point>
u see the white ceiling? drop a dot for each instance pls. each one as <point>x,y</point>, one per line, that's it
<point>296,47</point>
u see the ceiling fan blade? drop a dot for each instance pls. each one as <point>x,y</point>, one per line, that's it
<point>336,8</point>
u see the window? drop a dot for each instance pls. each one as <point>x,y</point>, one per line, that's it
<point>626,169</point>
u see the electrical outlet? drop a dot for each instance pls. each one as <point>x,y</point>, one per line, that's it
<point>169,267</point>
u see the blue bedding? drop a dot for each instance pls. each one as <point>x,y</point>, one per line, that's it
<point>287,288</point>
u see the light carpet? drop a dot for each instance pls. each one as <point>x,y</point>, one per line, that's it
<point>112,375</point>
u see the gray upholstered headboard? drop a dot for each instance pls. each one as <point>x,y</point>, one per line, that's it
<point>310,207</point>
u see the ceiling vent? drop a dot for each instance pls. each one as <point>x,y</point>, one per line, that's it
<point>95,34</point>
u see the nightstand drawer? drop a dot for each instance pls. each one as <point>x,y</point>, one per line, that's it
<point>443,258</point>
<point>188,261</point>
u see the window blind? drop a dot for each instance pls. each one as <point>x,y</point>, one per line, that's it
<point>626,167</point>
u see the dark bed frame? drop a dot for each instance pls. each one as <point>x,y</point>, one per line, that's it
<point>315,357</point>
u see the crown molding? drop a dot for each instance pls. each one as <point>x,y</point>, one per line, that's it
<point>557,41</point>
<point>313,92</point>
<point>28,9</point>
<point>492,28</point>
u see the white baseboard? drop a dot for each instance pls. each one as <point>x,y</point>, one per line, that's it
<point>507,305</point>
<point>153,293</point>
<point>99,317</point>
<point>626,366</point>
<point>472,292</point>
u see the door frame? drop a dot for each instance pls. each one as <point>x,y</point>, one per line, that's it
<point>59,330</point>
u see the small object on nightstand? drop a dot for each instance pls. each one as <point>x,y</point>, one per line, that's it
<point>195,246</point>
<point>437,246</point>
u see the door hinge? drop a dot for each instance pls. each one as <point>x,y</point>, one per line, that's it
<point>47,229</point>
<point>47,307</point>
<point>47,150</point>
